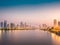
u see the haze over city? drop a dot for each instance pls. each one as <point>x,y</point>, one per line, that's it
<point>32,12</point>
<point>29,22</point>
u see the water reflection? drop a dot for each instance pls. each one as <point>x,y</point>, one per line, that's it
<point>25,37</point>
<point>55,39</point>
<point>0,35</point>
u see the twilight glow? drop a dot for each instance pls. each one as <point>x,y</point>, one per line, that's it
<point>30,11</point>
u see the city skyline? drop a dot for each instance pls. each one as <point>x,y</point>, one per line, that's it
<point>11,25</point>
<point>32,12</point>
<point>21,26</point>
<point>29,22</point>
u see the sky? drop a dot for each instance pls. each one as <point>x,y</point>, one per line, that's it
<point>32,11</point>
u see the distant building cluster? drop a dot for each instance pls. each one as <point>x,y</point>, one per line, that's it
<point>22,25</point>
<point>3,24</point>
<point>43,26</point>
<point>56,23</point>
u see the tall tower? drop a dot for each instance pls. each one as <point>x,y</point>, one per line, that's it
<point>12,25</point>
<point>5,24</point>
<point>1,24</point>
<point>55,22</point>
<point>58,23</point>
<point>21,24</point>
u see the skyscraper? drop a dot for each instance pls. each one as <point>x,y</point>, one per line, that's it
<point>58,23</point>
<point>1,24</point>
<point>55,22</point>
<point>5,24</point>
<point>12,25</point>
<point>21,25</point>
<point>8,26</point>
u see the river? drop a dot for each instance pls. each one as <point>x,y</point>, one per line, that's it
<point>30,37</point>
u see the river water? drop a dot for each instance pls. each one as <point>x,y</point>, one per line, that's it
<point>28,37</point>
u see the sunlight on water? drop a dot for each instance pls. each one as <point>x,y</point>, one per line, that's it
<point>55,39</point>
<point>0,35</point>
<point>29,36</point>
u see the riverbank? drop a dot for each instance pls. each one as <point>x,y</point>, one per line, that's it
<point>55,31</point>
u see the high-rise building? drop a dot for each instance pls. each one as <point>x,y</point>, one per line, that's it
<point>12,25</point>
<point>1,24</point>
<point>8,26</point>
<point>58,23</point>
<point>22,25</point>
<point>26,25</point>
<point>5,24</point>
<point>55,22</point>
<point>44,25</point>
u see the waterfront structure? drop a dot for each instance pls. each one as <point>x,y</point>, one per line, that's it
<point>21,25</point>
<point>5,24</point>
<point>8,26</point>
<point>1,25</point>
<point>56,26</point>
<point>55,22</point>
<point>12,25</point>
<point>58,23</point>
<point>17,26</point>
<point>26,25</point>
<point>44,27</point>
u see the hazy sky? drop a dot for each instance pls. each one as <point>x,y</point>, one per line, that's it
<point>34,11</point>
